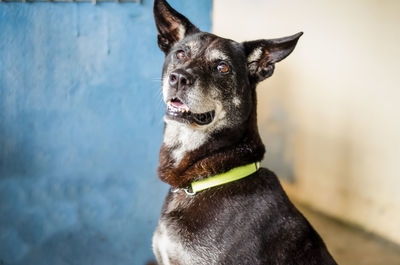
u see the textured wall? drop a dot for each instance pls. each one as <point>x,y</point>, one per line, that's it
<point>330,115</point>
<point>80,128</point>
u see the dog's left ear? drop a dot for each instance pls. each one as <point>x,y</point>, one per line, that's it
<point>171,25</point>
<point>263,54</point>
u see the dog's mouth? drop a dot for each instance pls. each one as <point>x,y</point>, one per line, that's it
<point>178,110</point>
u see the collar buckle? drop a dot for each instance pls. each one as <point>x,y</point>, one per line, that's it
<point>187,190</point>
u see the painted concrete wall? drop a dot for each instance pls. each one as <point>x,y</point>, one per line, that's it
<point>80,128</point>
<point>330,115</point>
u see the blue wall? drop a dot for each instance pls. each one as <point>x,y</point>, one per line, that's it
<point>80,128</point>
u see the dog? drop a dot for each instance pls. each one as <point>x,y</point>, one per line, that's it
<point>222,208</point>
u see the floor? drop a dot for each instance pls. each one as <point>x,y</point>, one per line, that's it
<point>349,245</point>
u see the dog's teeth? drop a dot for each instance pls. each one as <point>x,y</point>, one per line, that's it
<point>177,109</point>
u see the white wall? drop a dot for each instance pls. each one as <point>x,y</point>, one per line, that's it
<point>330,115</point>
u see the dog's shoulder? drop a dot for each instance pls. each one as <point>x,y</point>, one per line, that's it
<point>272,207</point>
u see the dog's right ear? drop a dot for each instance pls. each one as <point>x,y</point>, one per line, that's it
<point>171,25</point>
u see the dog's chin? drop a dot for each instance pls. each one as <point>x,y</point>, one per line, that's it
<point>178,111</point>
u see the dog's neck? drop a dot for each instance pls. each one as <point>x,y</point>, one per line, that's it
<point>188,154</point>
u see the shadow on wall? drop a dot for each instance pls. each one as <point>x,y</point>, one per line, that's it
<point>17,162</point>
<point>277,128</point>
<point>293,145</point>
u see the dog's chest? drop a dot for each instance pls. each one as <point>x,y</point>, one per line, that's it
<point>169,248</point>
<point>174,243</point>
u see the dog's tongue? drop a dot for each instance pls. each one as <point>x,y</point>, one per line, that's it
<point>178,104</point>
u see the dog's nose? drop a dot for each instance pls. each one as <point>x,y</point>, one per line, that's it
<point>180,80</point>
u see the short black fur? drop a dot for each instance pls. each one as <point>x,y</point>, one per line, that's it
<point>250,221</point>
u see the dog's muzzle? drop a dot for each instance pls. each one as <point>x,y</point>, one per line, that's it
<point>180,82</point>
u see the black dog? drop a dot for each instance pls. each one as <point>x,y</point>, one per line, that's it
<point>209,86</point>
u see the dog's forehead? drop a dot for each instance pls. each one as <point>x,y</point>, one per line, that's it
<point>212,47</point>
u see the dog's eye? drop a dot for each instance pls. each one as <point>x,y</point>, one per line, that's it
<point>181,55</point>
<point>223,68</point>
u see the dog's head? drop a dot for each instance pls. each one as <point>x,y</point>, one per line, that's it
<point>209,86</point>
<point>208,81</point>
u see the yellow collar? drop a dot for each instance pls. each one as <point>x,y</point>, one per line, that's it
<point>217,180</point>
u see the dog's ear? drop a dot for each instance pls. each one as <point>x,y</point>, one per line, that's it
<point>171,25</point>
<point>263,54</point>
